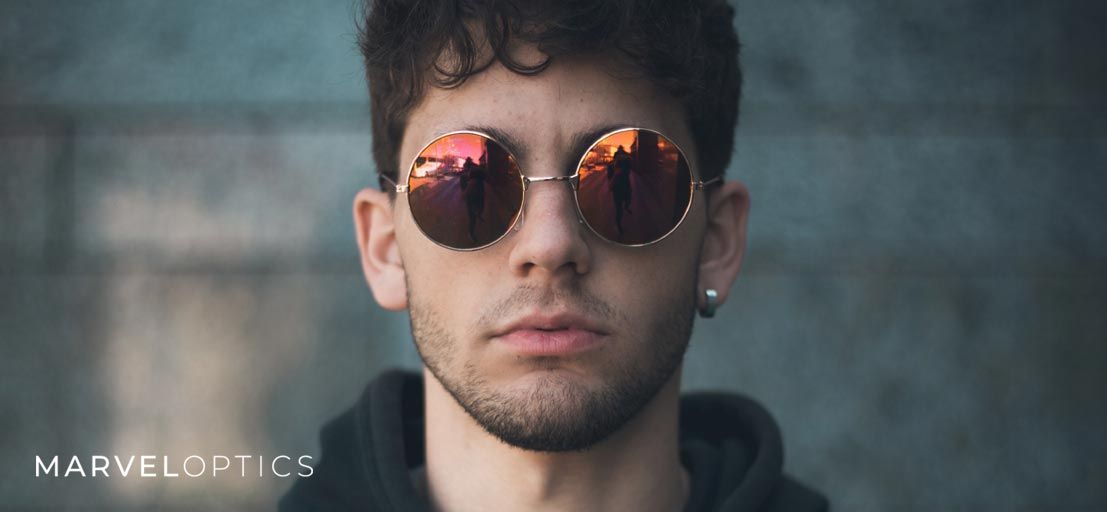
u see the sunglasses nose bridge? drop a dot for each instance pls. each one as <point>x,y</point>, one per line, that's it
<point>574,184</point>
<point>574,180</point>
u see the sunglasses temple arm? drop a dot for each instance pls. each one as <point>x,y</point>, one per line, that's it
<point>400,189</point>
<point>700,185</point>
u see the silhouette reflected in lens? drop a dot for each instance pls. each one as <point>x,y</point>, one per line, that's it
<point>465,190</point>
<point>634,186</point>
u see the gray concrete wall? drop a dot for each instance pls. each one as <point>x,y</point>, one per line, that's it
<point>922,307</point>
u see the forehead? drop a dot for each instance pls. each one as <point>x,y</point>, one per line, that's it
<point>547,112</point>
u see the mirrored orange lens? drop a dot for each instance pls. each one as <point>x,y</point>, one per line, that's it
<point>465,190</point>
<point>634,186</point>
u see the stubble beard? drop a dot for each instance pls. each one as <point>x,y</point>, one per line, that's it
<point>558,412</point>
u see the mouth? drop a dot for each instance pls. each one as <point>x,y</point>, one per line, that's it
<point>551,335</point>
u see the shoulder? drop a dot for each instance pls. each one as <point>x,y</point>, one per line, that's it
<point>362,462</point>
<point>334,482</point>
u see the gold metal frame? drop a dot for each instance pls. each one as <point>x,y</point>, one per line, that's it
<point>573,179</point>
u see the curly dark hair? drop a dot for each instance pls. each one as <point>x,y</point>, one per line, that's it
<point>687,47</point>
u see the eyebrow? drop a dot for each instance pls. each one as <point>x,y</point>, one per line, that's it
<point>578,144</point>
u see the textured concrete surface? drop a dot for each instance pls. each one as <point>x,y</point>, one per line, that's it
<point>921,308</point>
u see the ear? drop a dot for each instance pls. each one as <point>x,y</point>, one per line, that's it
<point>380,255</point>
<point>724,241</point>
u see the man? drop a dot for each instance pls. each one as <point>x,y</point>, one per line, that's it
<point>472,187</point>
<point>552,345</point>
<point>620,185</point>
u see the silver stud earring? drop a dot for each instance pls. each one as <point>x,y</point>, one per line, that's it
<point>711,301</point>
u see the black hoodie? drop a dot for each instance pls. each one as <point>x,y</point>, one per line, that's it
<point>729,444</point>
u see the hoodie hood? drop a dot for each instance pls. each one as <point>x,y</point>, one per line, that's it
<point>730,445</point>
<point>734,452</point>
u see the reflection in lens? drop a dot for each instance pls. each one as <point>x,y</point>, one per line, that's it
<point>465,190</point>
<point>634,186</point>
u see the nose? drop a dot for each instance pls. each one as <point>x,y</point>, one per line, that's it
<point>550,240</point>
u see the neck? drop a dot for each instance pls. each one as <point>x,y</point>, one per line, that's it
<point>636,468</point>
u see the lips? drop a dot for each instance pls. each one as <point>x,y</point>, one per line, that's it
<point>551,335</point>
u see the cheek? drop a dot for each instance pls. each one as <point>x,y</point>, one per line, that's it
<point>669,264</point>
<point>446,285</point>
<point>646,283</point>
<point>435,281</point>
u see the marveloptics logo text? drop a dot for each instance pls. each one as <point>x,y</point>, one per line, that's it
<point>193,466</point>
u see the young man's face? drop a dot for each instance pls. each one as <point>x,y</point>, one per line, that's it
<point>632,306</point>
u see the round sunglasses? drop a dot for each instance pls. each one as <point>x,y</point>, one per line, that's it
<point>632,187</point>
